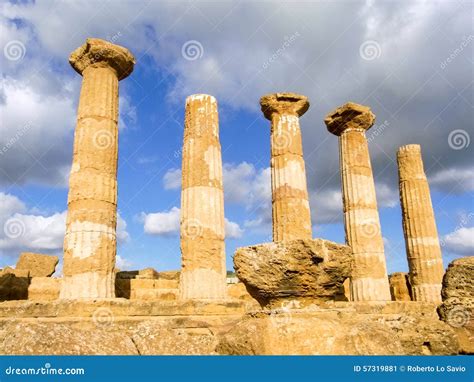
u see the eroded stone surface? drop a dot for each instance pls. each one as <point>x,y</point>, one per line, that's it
<point>203,270</point>
<point>369,281</point>
<point>290,206</point>
<point>342,330</point>
<point>399,286</point>
<point>44,288</point>
<point>90,241</point>
<point>303,270</point>
<point>419,226</point>
<point>100,53</point>
<point>37,265</point>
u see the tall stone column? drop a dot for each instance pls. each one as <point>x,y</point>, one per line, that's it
<point>369,281</point>
<point>419,226</point>
<point>203,270</point>
<point>290,206</point>
<point>90,240</point>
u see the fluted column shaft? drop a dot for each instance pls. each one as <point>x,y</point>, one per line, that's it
<point>369,281</point>
<point>290,206</point>
<point>90,240</point>
<point>203,270</point>
<point>419,226</point>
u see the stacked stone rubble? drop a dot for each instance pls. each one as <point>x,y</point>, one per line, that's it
<point>419,226</point>
<point>203,272</point>
<point>369,281</point>
<point>90,240</point>
<point>290,205</point>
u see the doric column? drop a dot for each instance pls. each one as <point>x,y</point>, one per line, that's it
<point>369,281</point>
<point>90,240</point>
<point>290,205</point>
<point>419,226</point>
<point>203,271</point>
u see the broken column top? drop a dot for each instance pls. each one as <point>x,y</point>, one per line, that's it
<point>100,53</point>
<point>349,116</point>
<point>409,148</point>
<point>284,103</point>
<point>200,97</point>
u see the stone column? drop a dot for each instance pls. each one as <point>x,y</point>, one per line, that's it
<point>369,281</point>
<point>203,270</point>
<point>290,206</point>
<point>419,226</point>
<point>90,240</point>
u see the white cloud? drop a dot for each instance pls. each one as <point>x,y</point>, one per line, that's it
<point>460,241</point>
<point>172,179</point>
<point>232,230</point>
<point>167,223</point>
<point>161,223</point>
<point>456,180</point>
<point>122,263</point>
<point>25,229</point>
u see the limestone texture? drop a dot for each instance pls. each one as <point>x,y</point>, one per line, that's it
<point>361,328</point>
<point>44,289</point>
<point>400,286</point>
<point>419,226</point>
<point>203,269</point>
<point>457,308</point>
<point>369,281</point>
<point>290,206</point>
<point>302,270</point>
<point>90,240</point>
<point>36,264</point>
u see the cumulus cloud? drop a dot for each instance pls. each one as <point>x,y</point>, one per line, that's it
<point>172,179</point>
<point>460,241</point>
<point>167,223</point>
<point>24,229</point>
<point>453,180</point>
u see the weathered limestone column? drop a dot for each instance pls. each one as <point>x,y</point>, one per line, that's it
<point>290,205</point>
<point>369,281</point>
<point>90,241</point>
<point>203,271</point>
<point>419,226</point>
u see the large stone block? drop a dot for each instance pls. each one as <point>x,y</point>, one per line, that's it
<point>305,270</point>
<point>342,330</point>
<point>399,286</point>
<point>38,265</point>
<point>457,308</point>
<point>44,288</point>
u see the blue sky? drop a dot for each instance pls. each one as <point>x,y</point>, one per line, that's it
<point>410,62</point>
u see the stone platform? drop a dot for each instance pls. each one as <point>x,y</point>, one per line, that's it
<point>120,326</point>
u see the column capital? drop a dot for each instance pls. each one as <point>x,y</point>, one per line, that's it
<point>284,103</point>
<point>349,116</point>
<point>100,53</point>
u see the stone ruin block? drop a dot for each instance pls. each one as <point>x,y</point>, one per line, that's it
<point>303,270</point>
